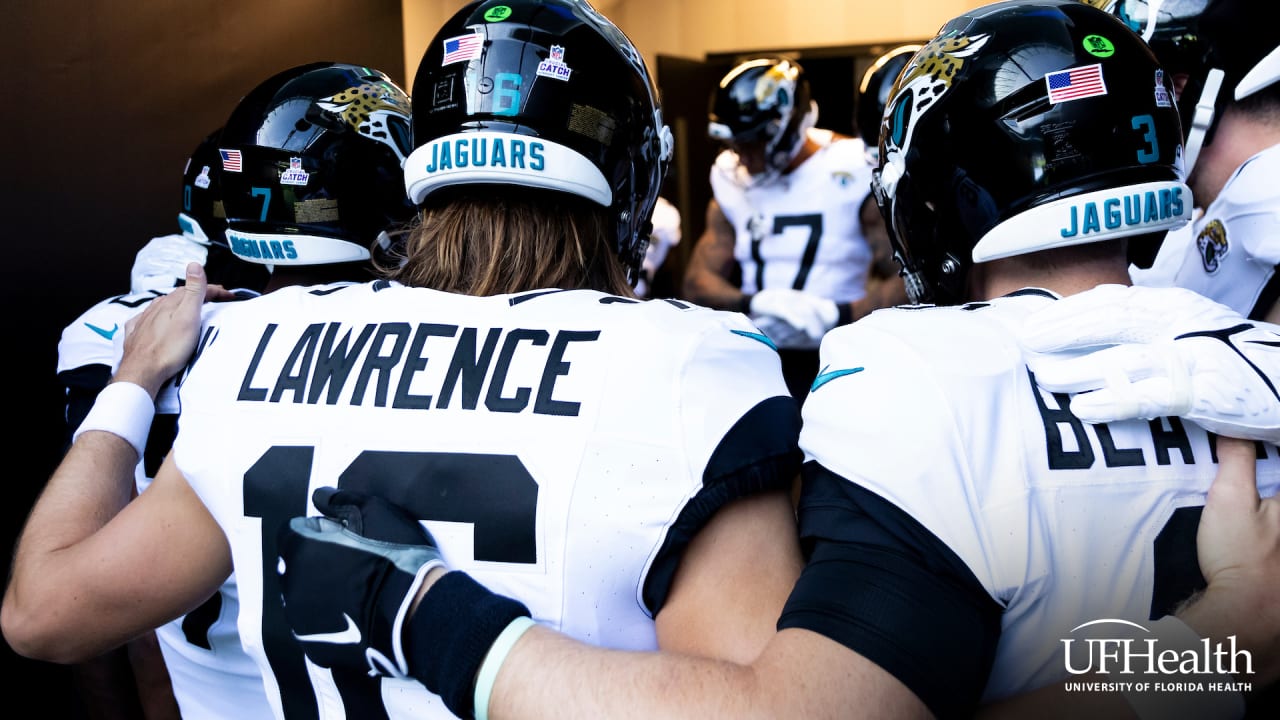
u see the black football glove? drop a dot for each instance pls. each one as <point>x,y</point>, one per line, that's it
<point>348,579</point>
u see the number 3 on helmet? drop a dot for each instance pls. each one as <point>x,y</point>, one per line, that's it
<point>1025,126</point>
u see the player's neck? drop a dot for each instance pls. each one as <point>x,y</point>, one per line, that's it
<point>1239,136</point>
<point>806,151</point>
<point>1001,277</point>
<point>288,275</point>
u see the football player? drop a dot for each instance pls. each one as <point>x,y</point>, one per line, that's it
<point>85,349</point>
<point>784,216</point>
<point>309,164</point>
<point>963,529</point>
<point>1230,106</point>
<point>85,356</point>
<point>502,381</point>
<point>1006,185</point>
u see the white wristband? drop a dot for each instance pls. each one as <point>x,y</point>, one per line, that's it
<point>1155,704</point>
<point>493,663</point>
<point>122,409</point>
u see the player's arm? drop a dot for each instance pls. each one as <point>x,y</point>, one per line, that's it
<point>877,235</point>
<point>87,575</point>
<point>799,674</point>
<point>465,643</point>
<point>740,428</point>
<point>748,544</point>
<point>885,287</point>
<point>93,570</point>
<point>1238,548</point>
<point>711,264</point>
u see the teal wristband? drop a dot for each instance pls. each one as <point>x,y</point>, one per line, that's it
<point>493,663</point>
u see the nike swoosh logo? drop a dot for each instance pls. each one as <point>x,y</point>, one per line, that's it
<point>350,636</point>
<point>108,334</point>
<point>825,377</point>
<point>755,336</point>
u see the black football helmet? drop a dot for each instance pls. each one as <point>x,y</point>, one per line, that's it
<point>873,94</point>
<point>1024,126</point>
<point>766,102</point>
<point>545,94</point>
<point>1170,27</point>
<point>311,165</point>
<point>203,218</point>
<point>1214,44</point>
<point>1234,42</point>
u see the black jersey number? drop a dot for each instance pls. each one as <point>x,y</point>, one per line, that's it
<point>1177,572</point>
<point>495,493</point>
<point>812,221</point>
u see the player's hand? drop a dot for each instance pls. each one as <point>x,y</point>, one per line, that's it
<point>1239,531</point>
<point>349,579</point>
<point>810,313</point>
<point>1140,352</point>
<point>1238,547</point>
<point>159,341</point>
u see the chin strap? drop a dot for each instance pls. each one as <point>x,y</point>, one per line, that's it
<point>1153,12</point>
<point>1203,118</point>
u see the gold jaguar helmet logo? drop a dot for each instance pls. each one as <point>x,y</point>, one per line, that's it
<point>927,77</point>
<point>378,111</point>
<point>1213,246</point>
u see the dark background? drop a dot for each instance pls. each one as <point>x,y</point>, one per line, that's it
<point>105,99</point>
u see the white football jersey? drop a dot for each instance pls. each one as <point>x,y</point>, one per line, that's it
<point>211,675</point>
<point>934,410</point>
<point>1231,251</point>
<point>89,340</point>
<point>801,230</point>
<point>550,441</point>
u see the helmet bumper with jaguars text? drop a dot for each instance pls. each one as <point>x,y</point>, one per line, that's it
<point>311,165</point>
<point>1021,127</point>
<point>544,94</point>
<point>763,102</point>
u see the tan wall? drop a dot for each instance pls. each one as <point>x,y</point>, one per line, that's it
<point>693,28</point>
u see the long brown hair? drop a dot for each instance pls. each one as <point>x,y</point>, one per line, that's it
<point>487,240</point>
